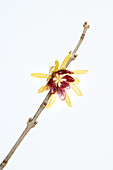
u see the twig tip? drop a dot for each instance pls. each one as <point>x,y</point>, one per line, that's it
<point>86,25</point>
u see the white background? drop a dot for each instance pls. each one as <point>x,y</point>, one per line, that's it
<point>33,34</point>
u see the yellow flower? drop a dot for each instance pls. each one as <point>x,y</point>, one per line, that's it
<point>60,79</point>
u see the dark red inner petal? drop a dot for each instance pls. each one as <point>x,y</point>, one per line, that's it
<point>64,72</point>
<point>51,82</point>
<point>61,93</point>
<point>53,89</point>
<point>65,84</point>
<point>68,78</point>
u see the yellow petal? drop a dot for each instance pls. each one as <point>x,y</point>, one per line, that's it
<point>51,101</point>
<point>56,65</point>
<point>76,89</point>
<point>42,89</point>
<point>67,100</point>
<point>76,80</point>
<point>39,75</point>
<point>48,78</point>
<point>80,71</point>
<point>63,66</point>
<point>51,69</point>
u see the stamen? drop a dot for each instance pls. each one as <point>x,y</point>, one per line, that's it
<point>59,83</point>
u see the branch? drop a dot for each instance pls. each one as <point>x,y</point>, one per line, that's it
<point>30,124</point>
<point>74,55</point>
<point>32,121</point>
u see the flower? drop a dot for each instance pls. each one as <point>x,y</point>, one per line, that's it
<point>59,80</point>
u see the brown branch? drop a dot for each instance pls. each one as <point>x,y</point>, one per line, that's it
<point>32,121</point>
<point>74,55</point>
<point>30,124</point>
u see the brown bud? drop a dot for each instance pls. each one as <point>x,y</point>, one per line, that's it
<point>75,55</point>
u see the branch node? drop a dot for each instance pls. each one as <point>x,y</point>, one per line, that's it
<point>75,55</point>
<point>31,122</point>
<point>44,104</point>
<point>4,162</point>
<point>35,122</point>
<point>82,36</point>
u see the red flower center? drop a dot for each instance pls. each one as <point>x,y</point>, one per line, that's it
<point>59,81</point>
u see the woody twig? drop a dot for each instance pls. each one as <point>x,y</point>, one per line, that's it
<point>33,121</point>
